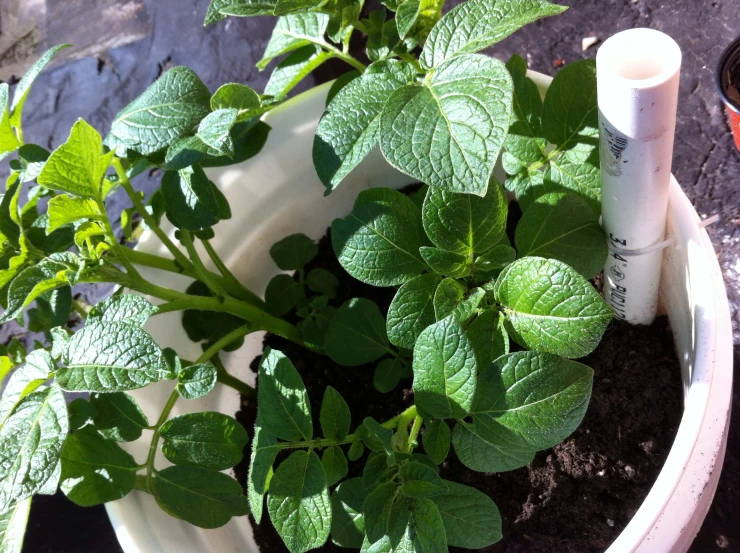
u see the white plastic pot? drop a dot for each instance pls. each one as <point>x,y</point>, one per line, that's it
<point>277,193</point>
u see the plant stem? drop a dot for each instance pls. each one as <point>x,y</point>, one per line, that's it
<point>200,268</point>
<point>81,311</point>
<point>220,344</point>
<point>155,437</point>
<point>224,270</point>
<point>113,240</point>
<point>414,433</point>
<point>148,219</point>
<point>347,58</point>
<point>412,60</point>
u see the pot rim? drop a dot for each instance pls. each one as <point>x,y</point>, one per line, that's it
<point>733,49</point>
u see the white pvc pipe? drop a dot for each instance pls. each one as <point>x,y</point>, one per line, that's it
<point>637,80</point>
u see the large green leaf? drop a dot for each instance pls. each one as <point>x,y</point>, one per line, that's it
<point>31,441</point>
<point>13,527</point>
<point>378,242</point>
<point>33,282</point>
<point>465,223</point>
<point>292,32</point>
<point>550,307</point>
<point>489,337</point>
<point>419,480</point>
<point>485,448</point>
<point>477,24</point>
<point>169,109</point>
<point>111,357</point>
<point>356,333</point>
<point>298,502</point>
<point>562,226</point>
<point>264,452</point>
<point>448,130</point>
<point>412,310</point>
<point>64,209</point>
<point>350,127</point>
<point>130,308</point>
<point>95,469</point>
<point>283,401</point>
<point>444,370</point>
<point>205,498</point>
<point>376,510</point>
<point>470,517</point>
<point>347,521</point>
<point>335,417</point>
<point>118,416</point>
<point>190,200</point>
<point>37,369</point>
<point>210,440</point>
<point>416,526</point>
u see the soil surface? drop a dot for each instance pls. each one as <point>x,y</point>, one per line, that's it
<point>574,498</point>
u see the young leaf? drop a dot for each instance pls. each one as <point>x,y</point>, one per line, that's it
<point>292,32</point>
<point>477,24</point>
<point>32,159</point>
<point>79,165</point>
<point>283,402</point>
<point>377,509</point>
<point>416,18</point>
<point>471,518</point>
<point>95,469</point>
<point>444,370</point>
<point>26,379</point>
<point>436,440</point>
<point>237,96</point>
<point>562,226</point>
<point>497,257</point>
<point>282,294</point>
<point>355,451</point>
<point>387,375</point>
<point>412,310</point>
<point>468,305</point>
<point>111,357</point>
<point>189,199</point>
<point>378,243</point>
<point>167,110</point>
<point>382,35</point>
<point>205,498</point>
<point>538,398</point>
<point>356,333</point>
<point>347,521</point>
<point>13,526</point>
<point>264,452</point>
<point>335,465</point>
<point>298,502</point>
<point>465,223</point>
<point>550,307</point>
<point>196,381</point>
<point>446,263</point>
<point>31,442</point>
<point>215,131</point>
<point>424,123</point>
<point>488,336</point>
<point>420,481</point>
<point>448,295</point>
<point>129,308</point>
<point>118,416</point>
<point>349,128</point>
<point>209,440</point>
<point>65,209</point>
<point>335,417</point>
<point>323,282</point>
<point>416,525</point>
<point>23,87</point>
<point>383,435</point>
<point>293,252</point>
<point>293,69</point>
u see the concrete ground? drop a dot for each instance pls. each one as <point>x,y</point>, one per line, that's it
<point>97,86</point>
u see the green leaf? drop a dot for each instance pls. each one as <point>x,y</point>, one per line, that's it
<point>468,306</point>
<point>8,139</point>
<point>205,498</point>
<point>37,369</point>
<point>264,452</point>
<point>79,165</point>
<point>416,525</point>
<point>190,201</point>
<point>283,402</point>
<point>34,281</point>
<point>550,307</point>
<point>562,226</point>
<point>111,357</point>
<point>378,243</point>
<point>298,502</point>
<point>95,469</point>
<point>293,69</point>
<point>416,18</point>
<point>436,440</point>
<point>130,308</point>
<point>350,127</point>
<point>209,440</point>
<point>488,336</point>
<point>293,252</point>
<point>196,381</point>
<point>496,258</point>
<point>335,465</point>
<point>215,131</point>
<point>169,109</point>
<point>383,435</point>
<point>65,209</point>
<point>421,481</point>
<point>32,159</point>
<point>524,141</point>
<point>9,226</point>
<point>387,375</point>
<point>489,448</point>
<point>81,413</point>
<point>347,521</point>
<point>323,282</point>
<point>471,518</point>
<point>219,9</point>
<point>335,417</point>
<point>31,442</point>
<point>448,130</point>
<point>448,295</point>
<point>356,334</point>
<point>465,223</point>
<point>376,469</point>
<point>118,416</point>
<point>356,451</point>
<point>23,87</point>
<point>382,35</point>
<point>240,97</point>
<point>444,370</point>
<point>284,7</point>
<point>282,294</point>
<point>446,263</point>
<point>377,509</point>
<point>539,398</point>
<point>477,24</point>
<point>13,526</point>
<point>340,82</point>
<point>292,32</point>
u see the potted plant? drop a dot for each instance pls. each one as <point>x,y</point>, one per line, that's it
<point>457,350</point>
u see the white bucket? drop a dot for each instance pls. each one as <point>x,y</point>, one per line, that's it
<point>277,193</point>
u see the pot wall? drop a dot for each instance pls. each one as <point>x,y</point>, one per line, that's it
<point>277,193</point>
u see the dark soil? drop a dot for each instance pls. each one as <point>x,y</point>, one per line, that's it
<point>574,498</point>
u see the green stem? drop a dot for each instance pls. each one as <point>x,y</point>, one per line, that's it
<point>414,433</point>
<point>155,437</point>
<point>412,60</point>
<point>347,58</point>
<point>113,240</point>
<point>224,270</point>
<point>220,344</point>
<point>200,268</point>
<point>81,311</point>
<point>148,219</point>
<point>231,381</point>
